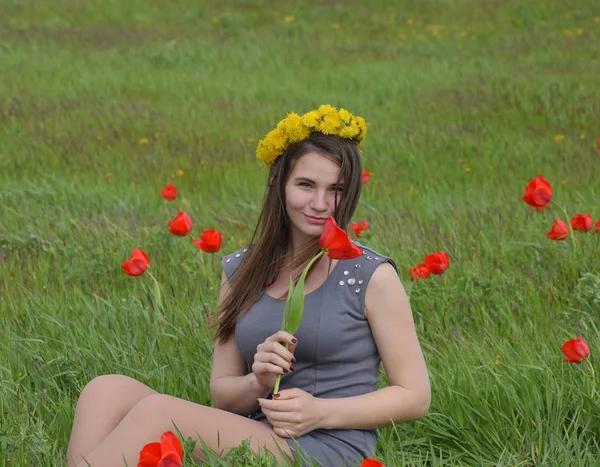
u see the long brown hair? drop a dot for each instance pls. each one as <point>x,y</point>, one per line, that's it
<point>261,264</point>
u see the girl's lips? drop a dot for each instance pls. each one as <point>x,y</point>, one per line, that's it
<point>314,220</point>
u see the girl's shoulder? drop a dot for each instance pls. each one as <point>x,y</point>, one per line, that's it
<point>231,261</point>
<point>372,258</point>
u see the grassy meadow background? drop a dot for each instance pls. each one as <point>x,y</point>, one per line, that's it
<point>102,103</point>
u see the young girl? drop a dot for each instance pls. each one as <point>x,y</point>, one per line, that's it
<point>356,315</point>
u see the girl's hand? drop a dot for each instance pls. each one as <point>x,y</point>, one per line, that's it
<point>294,413</point>
<point>272,358</point>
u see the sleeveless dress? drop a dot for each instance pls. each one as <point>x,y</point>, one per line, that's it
<point>336,354</point>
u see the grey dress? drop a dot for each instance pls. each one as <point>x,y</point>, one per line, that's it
<point>336,354</point>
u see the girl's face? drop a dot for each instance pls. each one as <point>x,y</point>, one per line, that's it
<point>310,195</point>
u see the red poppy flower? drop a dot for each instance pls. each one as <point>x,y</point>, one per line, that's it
<point>371,463</point>
<point>181,225</point>
<point>582,223</point>
<point>336,242</point>
<point>559,230</point>
<point>169,192</point>
<point>210,241</point>
<point>576,350</point>
<point>420,272</point>
<point>437,263</point>
<point>359,227</point>
<point>597,227</point>
<point>167,453</point>
<point>136,264</point>
<point>538,193</point>
<point>365,176</point>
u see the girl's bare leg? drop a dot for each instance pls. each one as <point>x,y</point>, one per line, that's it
<point>155,414</point>
<point>102,405</point>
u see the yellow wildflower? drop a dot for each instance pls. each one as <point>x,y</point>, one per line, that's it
<point>597,19</point>
<point>350,132</point>
<point>498,358</point>
<point>241,242</point>
<point>579,31</point>
<point>335,26</point>
<point>185,201</point>
<point>326,109</point>
<point>345,115</point>
<point>312,118</point>
<point>464,34</point>
<point>99,138</point>
<point>215,20</point>
<point>251,140</point>
<point>467,169</point>
<point>157,135</point>
<point>331,123</point>
<point>107,175</point>
<point>294,128</point>
<point>143,140</point>
<point>289,19</point>
<point>180,173</point>
<point>409,21</point>
<point>362,125</point>
<point>559,138</point>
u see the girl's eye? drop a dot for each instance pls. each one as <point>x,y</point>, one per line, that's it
<point>304,183</point>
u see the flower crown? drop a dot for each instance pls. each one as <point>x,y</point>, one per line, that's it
<point>294,128</point>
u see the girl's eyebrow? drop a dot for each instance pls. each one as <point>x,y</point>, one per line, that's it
<point>305,179</point>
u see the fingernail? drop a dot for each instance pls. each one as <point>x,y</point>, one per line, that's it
<point>276,395</point>
<point>292,368</point>
<point>294,340</point>
<point>285,371</point>
<point>293,360</point>
<point>258,401</point>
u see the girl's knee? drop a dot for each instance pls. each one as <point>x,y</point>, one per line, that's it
<point>109,387</point>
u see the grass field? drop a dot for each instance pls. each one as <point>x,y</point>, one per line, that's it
<point>102,103</point>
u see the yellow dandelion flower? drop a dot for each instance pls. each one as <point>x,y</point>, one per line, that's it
<point>582,136</point>
<point>559,138</point>
<point>410,191</point>
<point>467,169</point>
<point>157,135</point>
<point>350,132</point>
<point>143,141</point>
<point>142,359</point>
<point>241,242</point>
<point>276,139</point>
<point>172,177</point>
<point>289,19</point>
<point>326,109</point>
<point>20,373</point>
<point>312,119</point>
<point>180,173</point>
<point>215,20</point>
<point>99,138</point>
<point>464,34</point>
<point>35,394</point>
<point>250,140</point>
<point>345,115</point>
<point>362,125</point>
<point>597,19</point>
<point>409,21</point>
<point>564,182</point>
<point>498,358</point>
<point>335,26</point>
<point>108,175</point>
<point>579,31</point>
<point>331,124</point>
<point>185,201</point>
<point>294,128</point>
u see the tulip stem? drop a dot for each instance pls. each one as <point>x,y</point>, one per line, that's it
<point>593,377</point>
<point>286,345</point>
<point>158,294</point>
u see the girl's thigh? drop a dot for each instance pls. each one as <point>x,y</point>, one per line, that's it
<point>220,430</point>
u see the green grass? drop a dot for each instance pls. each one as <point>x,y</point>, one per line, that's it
<point>464,100</point>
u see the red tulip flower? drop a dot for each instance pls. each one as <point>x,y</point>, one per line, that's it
<point>559,230</point>
<point>210,241</point>
<point>365,176</point>
<point>597,227</point>
<point>137,264</point>
<point>336,242</point>
<point>420,272</point>
<point>181,225</point>
<point>169,192</point>
<point>576,350</point>
<point>371,463</point>
<point>538,193</point>
<point>582,223</point>
<point>167,453</point>
<point>437,263</point>
<point>360,227</point>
